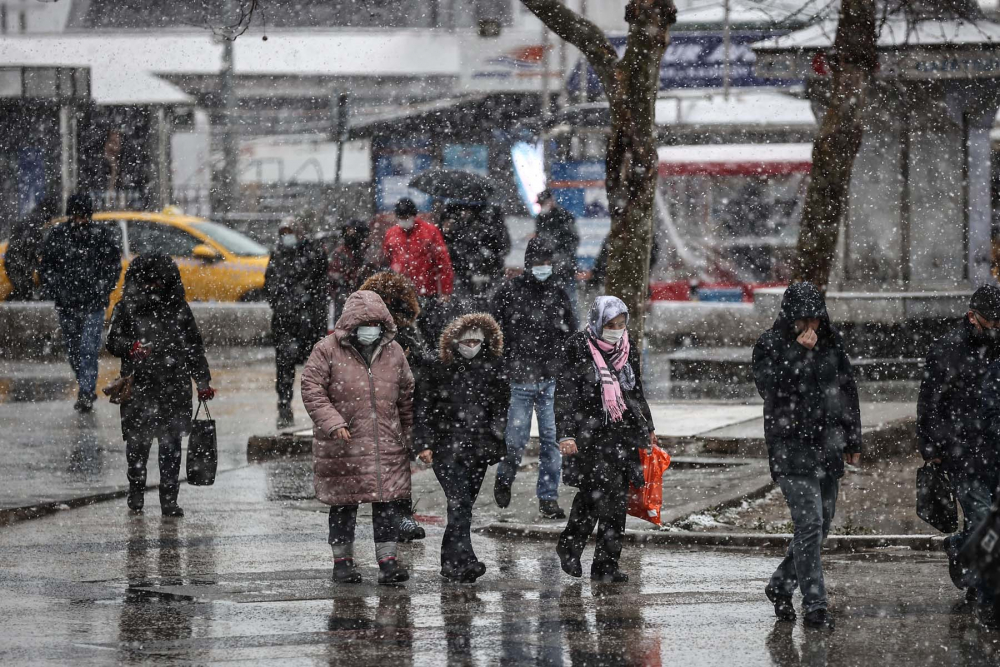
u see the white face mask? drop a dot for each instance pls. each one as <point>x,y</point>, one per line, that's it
<point>612,335</point>
<point>542,272</point>
<point>288,240</point>
<point>368,335</point>
<point>406,224</point>
<point>470,352</point>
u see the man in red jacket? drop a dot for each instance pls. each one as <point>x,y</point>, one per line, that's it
<point>416,249</point>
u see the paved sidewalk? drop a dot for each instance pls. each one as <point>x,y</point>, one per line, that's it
<point>244,578</point>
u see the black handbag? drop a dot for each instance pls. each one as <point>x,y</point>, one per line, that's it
<point>935,499</point>
<point>203,450</point>
<point>981,552</point>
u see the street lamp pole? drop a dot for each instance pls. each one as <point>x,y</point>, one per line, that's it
<point>227,94</point>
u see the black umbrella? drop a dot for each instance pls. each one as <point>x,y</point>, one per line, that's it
<point>453,184</point>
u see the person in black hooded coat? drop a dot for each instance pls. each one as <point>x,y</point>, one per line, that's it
<point>155,335</point>
<point>812,424</point>
<point>958,424</point>
<point>461,415</point>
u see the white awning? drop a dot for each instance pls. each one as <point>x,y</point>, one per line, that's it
<point>125,66</point>
<point>747,108</point>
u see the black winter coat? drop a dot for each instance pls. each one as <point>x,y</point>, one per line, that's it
<point>478,247</point>
<point>812,415</point>
<point>989,452</point>
<point>162,392</point>
<point>296,288</point>
<point>558,227</point>
<point>536,318</point>
<point>950,409</point>
<point>601,443</point>
<point>81,265</point>
<point>461,404</point>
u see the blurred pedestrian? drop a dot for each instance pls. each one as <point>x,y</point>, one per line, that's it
<point>812,426</point>
<point>156,337</point>
<point>536,317</point>
<point>400,297</point>
<point>478,242</point>
<point>416,249</point>
<point>951,415</point>
<point>25,248</point>
<point>296,288</point>
<point>558,226</point>
<point>603,420</point>
<point>81,264</point>
<point>347,261</point>
<point>358,391</point>
<point>461,412</point>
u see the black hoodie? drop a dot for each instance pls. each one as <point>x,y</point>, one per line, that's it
<point>812,414</point>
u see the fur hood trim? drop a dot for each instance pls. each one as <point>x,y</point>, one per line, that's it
<point>494,337</point>
<point>398,294</point>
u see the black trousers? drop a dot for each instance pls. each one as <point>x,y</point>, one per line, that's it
<point>168,454</point>
<point>344,520</point>
<point>286,355</point>
<point>461,476</point>
<point>604,506</point>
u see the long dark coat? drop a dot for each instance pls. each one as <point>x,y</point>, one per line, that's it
<point>462,404</point>
<point>296,287</point>
<point>602,444</point>
<point>950,410</point>
<point>162,392</point>
<point>812,415</point>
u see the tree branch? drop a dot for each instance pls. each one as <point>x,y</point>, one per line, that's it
<point>579,32</point>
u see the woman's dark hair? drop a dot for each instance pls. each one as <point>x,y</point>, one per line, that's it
<point>154,269</point>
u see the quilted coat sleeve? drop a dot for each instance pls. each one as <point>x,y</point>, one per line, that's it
<point>315,395</point>
<point>404,403</point>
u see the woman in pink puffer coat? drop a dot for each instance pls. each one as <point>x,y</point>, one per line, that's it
<point>358,391</point>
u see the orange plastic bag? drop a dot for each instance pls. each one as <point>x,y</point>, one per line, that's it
<point>646,503</point>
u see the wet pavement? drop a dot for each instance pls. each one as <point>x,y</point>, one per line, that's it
<point>53,454</point>
<point>244,579</point>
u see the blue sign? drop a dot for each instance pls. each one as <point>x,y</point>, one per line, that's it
<point>696,60</point>
<point>395,166</point>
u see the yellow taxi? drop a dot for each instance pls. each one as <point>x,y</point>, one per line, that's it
<point>216,263</point>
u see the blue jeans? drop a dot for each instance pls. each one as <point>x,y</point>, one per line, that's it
<point>81,332</point>
<point>813,503</point>
<point>975,497</point>
<point>540,397</point>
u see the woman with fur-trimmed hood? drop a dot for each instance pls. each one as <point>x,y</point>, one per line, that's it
<point>461,416</point>
<point>400,297</point>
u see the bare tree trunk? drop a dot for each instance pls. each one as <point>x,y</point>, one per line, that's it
<point>854,60</point>
<point>631,84</point>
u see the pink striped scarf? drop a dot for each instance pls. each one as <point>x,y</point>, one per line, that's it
<point>614,402</point>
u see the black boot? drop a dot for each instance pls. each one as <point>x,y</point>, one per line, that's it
<point>464,575</point>
<point>391,572</point>
<point>344,571</point>
<point>501,492</point>
<point>410,530</point>
<point>285,417</point>
<point>783,609</point>
<point>569,561</point>
<point>549,509</point>
<point>136,490</point>
<point>168,501</point>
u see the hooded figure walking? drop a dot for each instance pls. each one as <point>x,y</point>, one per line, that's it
<point>358,390</point>
<point>812,425</point>
<point>155,335</point>
<point>297,290</point>
<point>958,426</point>
<point>400,297</point>
<point>602,421</point>
<point>461,415</point>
